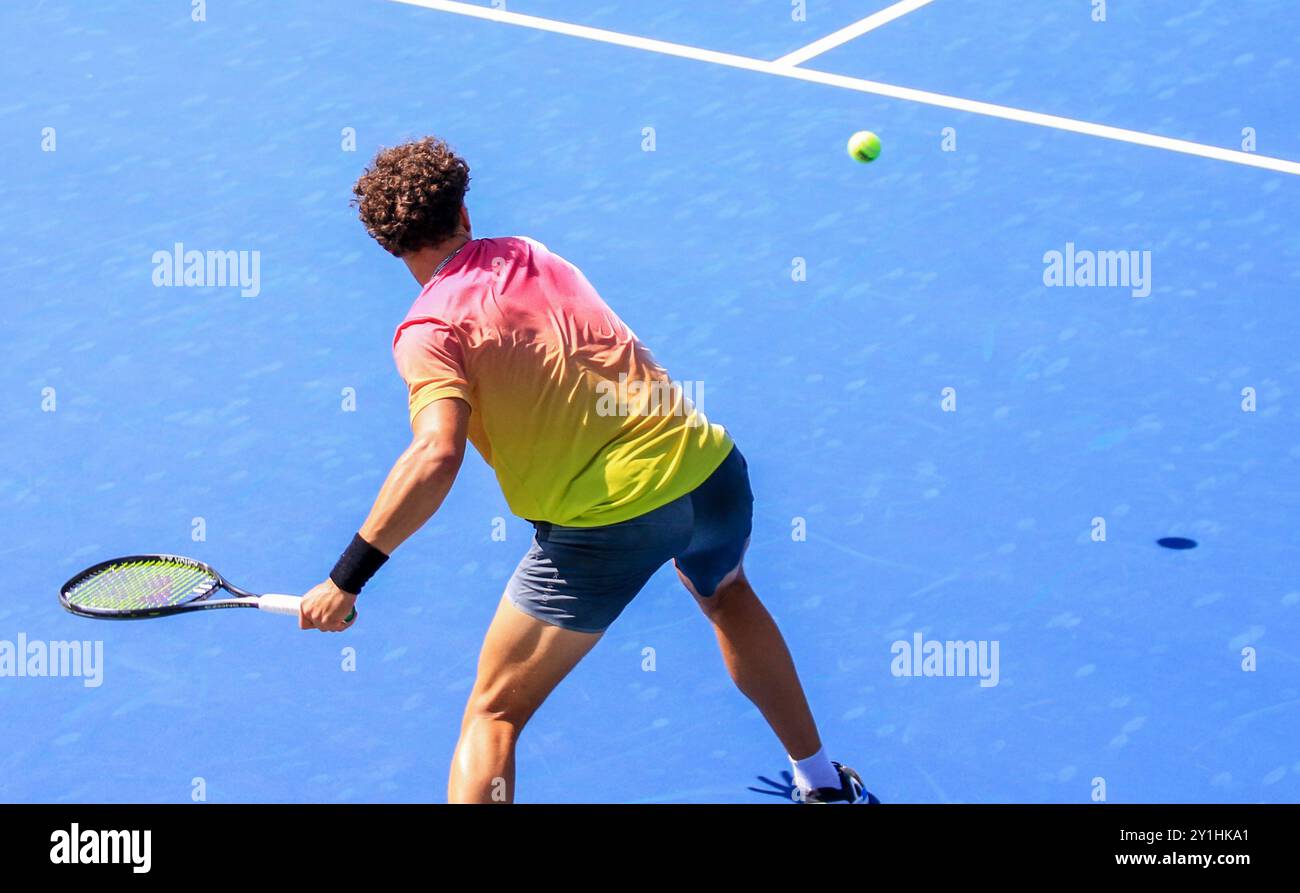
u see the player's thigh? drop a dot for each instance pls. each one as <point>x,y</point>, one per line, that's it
<point>712,562</point>
<point>729,586</point>
<point>522,661</point>
<point>582,578</point>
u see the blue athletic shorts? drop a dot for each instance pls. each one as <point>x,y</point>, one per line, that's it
<point>581,578</point>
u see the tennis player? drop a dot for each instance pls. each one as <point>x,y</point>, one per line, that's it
<point>509,346</point>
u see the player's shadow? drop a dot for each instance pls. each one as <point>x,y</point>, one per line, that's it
<point>783,788</point>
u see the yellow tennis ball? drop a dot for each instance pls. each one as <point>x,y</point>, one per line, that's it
<point>864,146</point>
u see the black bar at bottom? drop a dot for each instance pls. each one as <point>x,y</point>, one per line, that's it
<point>213,842</point>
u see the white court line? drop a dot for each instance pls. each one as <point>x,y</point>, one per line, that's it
<point>857,29</point>
<point>975,107</point>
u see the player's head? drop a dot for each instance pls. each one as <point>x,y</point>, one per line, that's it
<point>412,196</point>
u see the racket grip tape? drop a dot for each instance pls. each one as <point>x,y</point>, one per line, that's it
<point>288,605</point>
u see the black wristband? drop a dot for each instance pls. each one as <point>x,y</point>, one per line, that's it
<point>357,565</point>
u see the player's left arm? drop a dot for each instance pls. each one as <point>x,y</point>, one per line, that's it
<point>413,491</point>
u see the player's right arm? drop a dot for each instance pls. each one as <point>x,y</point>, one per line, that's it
<point>422,475</point>
<point>414,489</point>
<point>431,361</point>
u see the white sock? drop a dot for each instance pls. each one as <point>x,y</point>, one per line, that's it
<point>815,772</point>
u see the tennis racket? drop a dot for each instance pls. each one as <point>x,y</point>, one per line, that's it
<point>139,587</point>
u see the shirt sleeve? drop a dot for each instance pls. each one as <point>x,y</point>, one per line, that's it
<point>430,360</point>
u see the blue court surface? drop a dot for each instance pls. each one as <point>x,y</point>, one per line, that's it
<point>936,435</point>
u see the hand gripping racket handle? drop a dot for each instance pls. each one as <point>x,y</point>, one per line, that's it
<point>288,605</point>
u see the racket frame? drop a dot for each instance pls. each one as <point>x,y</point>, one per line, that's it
<point>243,598</point>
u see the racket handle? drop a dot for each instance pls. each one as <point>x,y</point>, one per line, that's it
<point>280,604</point>
<point>289,605</point>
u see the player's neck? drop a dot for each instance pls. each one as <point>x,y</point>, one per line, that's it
<point>426,261</point>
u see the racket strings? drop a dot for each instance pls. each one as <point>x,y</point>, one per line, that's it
<point>135,585</point>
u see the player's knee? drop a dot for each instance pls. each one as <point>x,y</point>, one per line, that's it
<point>498,709</point>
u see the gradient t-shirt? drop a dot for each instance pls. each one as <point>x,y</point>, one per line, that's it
<point>581,425</point>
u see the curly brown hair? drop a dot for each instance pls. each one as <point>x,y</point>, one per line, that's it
<point>410,196</point>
